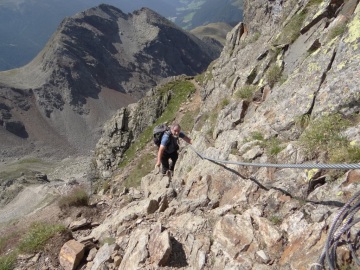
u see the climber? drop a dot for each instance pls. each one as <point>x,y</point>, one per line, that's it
<point>168,149</point>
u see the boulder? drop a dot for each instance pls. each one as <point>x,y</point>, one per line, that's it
<point>71,254</point>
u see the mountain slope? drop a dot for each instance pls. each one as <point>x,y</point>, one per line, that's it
<point>26,26</point>
<point>96,62</point>
<point>283,92</point>
<point>197,13</point>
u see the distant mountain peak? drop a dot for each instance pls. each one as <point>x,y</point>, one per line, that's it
<point>99,57</point>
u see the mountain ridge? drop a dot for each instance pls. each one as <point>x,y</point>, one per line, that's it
<point>99,56</point>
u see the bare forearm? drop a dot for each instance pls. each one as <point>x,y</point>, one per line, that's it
<point>160,153</point>
<point>188,140</point>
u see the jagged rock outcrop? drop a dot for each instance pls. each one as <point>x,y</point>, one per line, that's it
<point>239,217</point>
<point>126,125</point>
<point>226,216</point>
<point>97,61</point>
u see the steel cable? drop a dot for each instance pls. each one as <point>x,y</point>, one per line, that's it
<point>343,221</point>
<point>353,166</point>
<point>342,224</point>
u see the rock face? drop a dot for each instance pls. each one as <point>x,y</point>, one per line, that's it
<point>242,217</point>
<point>97,62</point>
<point>218,215</point>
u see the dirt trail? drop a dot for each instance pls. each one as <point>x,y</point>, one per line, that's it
<point>36,201</point>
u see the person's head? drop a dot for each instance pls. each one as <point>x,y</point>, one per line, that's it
<point>175,130</point>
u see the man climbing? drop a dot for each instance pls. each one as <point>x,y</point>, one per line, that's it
<point>169,147</point>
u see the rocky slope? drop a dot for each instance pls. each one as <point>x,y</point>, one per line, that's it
<point>210,216</point>
<point>97,62</point>
<point>213,215</point>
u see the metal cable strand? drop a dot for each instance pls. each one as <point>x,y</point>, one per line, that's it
<point>336,241</point>
<point>331,242</point>
<point>341,215</point>
<point>297,166</point>
<point>345,228</point>
<point>353,253</point>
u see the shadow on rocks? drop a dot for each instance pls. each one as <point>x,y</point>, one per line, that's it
<point>177,257</point>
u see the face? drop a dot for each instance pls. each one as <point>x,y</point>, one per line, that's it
<point>175,131</point>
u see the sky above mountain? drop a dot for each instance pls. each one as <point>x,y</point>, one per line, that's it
<point>26,25</point>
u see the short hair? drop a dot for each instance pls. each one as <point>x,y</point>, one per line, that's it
<point>173,126</point>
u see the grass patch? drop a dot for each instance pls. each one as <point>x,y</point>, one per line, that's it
<point>188,120</point>
<point>273,74</point>
<point>276,220</point>
<point>246,92</point>
<point>324,136</point>
<point>7,240</point>
<point>257,135</point>
<point>207,75</point>
<point>200,78</point>
<point>314,3</point>
<point>105,185</point>
<point>201,121</point>
<point>254,37</point>
<point>30,161</point>
<point>302,121</point>
<point>181,90</point>
<point>338,30</point>
<point>224,103</point>
<point>78,197</point>
<point>108,240</point>
<point>291,31</point>
<point>143,167</point>
<point>36,238</point>
<point>7,262</point>
<point>272,146</point>
<point>212,120</point>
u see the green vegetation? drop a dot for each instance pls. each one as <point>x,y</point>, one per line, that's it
<point>36,238</point>
<point>188,120</point>
<point>212,119</point>
<point>143,167</point>
<point>273,74</point>
<point>181,90</point>
<point>108,240</point>
<point>272,146</point>
<point>291,31</point>
<point>256,135</point>
<point>207,75</point>
<point>200,78</point>
<point>337,31</point>
<point>30,161</point>
<point>224,103</point>
<point>323,135</point>
<point>106,185</point>
<point>78,197</point>
<point>33,241</point>
<point>254,37</point>
<point>302,121</point>
<point>201,121</point>
<point>246,92</point>
<point>7,262</point>
<point>314,3</point>
<point>276,220</point>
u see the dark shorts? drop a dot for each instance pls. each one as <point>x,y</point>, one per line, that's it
<point>165,161</point>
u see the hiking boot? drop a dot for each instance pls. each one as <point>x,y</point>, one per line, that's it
<point>168,173</point>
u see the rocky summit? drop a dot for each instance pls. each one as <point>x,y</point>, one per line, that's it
<point>271,180</point>
<point>95,63</point>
